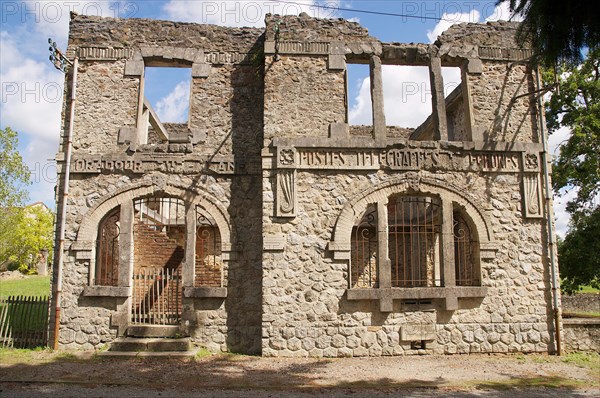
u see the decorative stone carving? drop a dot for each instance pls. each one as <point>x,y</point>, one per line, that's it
<point>103,53</point>
<point>286,157</point>
<point>286,194</point>
<point>532,196</point>
<point>531,162</point>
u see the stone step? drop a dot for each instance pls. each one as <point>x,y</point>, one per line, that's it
<point>137,344</point>
<point>170,331</point>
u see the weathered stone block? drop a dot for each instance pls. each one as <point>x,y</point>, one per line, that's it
<point>336,62</point>
<point>134,68</point>
<point>200,70</point>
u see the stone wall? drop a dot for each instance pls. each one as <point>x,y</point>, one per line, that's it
<point>226,105</point>
<point>267,154</point>
<point>582,334</point>
<point>581,302</point>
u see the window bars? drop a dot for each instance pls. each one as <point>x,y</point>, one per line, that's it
<point>363,273</point>
<point>414,225</point>
<point>464,245</point>
<point>107,259</point>
<point>159,213</point>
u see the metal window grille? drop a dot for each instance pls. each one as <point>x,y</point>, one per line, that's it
<point>414,241</point>
<point>107,258</point>
<point>160,213</point>
<point>209,263</point>
<point>363,270</point>
<point>464,245</point>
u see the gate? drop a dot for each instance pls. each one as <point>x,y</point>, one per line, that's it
<point>157,296</point>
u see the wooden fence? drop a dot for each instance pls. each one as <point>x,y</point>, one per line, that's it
<point>23,321</point>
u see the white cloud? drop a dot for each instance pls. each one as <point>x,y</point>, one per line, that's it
<point>406,95</point>
<point>31,99</point>
<point>38,156</point>
<point>502,13</point>
<point>361,111</point>
<point>450,19</point>
<point>241,13</point>
<point>175,105</point>
<point>561,216</point>
<point>556,139</point>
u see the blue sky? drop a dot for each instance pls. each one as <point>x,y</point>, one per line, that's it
<point>32,89</point>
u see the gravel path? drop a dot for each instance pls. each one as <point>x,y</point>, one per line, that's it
<point>86,375</point>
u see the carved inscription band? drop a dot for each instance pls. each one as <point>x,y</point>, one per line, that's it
<point>95,164</point>
<point>398,159</point>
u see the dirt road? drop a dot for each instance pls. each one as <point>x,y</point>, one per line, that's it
<point>87,375</point>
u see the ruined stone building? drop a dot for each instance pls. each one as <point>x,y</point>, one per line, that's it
<point>268,224</point>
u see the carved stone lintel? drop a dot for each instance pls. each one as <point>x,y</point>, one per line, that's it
<point>532,196</point>
<point>285,205</point>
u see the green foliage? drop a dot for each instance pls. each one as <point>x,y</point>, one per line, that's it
<point>24,234</point>
<point>14,175</point>
<point>576,105</point>
<point>579,253</point>
<point>30,286</point>
<point>558,30</point>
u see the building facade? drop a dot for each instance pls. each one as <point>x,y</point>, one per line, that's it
<point>267,224</point>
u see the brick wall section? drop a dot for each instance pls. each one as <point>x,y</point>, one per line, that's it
<point>154,249</point>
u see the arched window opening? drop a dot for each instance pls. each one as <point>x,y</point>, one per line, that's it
<point>107,259</point>
<point>208,262</point>
<point>466,271</point>
<point>363,273</point>
<point>159,233</point>
<point>414,241</point>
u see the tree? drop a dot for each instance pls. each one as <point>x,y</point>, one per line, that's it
<point>29,236</point>
<point>558,30</point>
<point>576,105</point>
<point>579,253</point>
<point>14,174</point>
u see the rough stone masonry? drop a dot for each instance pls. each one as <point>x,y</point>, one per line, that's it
<point>267,224</point>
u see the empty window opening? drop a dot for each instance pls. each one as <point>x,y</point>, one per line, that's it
<point>166,104</point>
<point>208,262</point>
<point>364,250</point>
<point>359,108</point>
<point>455,106</point>
<point>414,241</point>
<point>168,91</point>
<point>406,95</point>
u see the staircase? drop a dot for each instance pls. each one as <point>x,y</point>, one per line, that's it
<point>151,340</point>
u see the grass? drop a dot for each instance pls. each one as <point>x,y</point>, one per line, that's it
<point>588,289</point>
<point>30,286</point>
<point>588,360</point>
